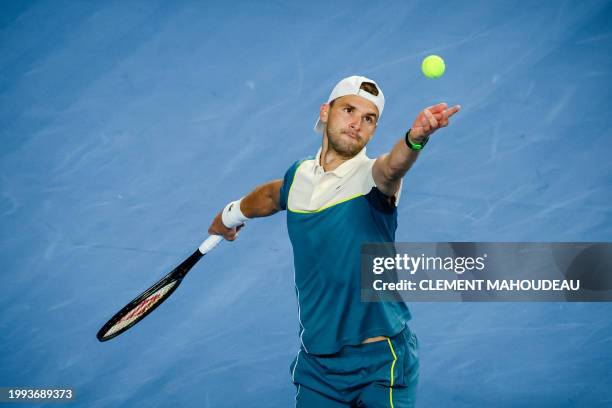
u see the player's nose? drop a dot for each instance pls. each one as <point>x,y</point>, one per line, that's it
<point>355,122</point>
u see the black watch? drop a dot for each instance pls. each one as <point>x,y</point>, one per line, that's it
<point>415,146</point>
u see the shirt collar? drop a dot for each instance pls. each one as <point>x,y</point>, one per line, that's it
<point>343,169</point>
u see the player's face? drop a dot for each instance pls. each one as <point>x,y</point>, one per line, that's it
<point>351,122</point>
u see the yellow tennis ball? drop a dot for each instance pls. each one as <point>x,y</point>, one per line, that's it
<point>433,66</point>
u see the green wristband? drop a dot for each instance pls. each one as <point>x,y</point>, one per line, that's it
<point>415,146</point>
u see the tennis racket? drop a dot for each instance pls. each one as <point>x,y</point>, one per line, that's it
<point>151,298</point>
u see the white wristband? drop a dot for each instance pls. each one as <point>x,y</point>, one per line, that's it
<point>232,216</point>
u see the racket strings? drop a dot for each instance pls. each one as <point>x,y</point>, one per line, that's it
<point>140,309</point>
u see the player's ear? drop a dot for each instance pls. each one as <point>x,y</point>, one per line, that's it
<point>324,112</point>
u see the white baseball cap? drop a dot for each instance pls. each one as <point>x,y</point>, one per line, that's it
<point>352,86</point>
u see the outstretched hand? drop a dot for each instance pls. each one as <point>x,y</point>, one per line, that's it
<point>431,119</point>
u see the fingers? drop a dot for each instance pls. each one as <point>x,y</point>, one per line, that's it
<point>443,115</point>
<point>434,117</point>
<point>218,228</point>
<point>423,124</point>
<point>231,235</point>
<point>437,108</point>
<point>453,110</point>
<point>444,121</point>
<point>433,123</point>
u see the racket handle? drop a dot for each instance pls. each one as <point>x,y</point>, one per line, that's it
<point>209,243</point>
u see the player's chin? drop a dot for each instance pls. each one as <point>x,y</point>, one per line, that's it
<point>352,143</point>
<point>351,149</point>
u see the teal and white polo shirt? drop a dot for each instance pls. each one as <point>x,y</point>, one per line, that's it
<point>329,216</point>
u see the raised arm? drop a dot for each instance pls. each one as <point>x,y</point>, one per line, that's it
<point>261,202</point>
<point>390,168</point>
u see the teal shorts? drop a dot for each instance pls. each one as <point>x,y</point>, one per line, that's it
<point>380,374</point>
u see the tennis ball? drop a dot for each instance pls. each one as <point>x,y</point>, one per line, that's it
<point>433,66</point>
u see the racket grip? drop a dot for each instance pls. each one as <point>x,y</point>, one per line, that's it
<point>209,243</point>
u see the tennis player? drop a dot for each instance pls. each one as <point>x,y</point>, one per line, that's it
<point>352,353</point>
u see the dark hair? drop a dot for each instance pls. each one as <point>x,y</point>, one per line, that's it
<point>369,87</point>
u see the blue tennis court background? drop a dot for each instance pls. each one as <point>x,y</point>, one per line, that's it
<point>125,126</point>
